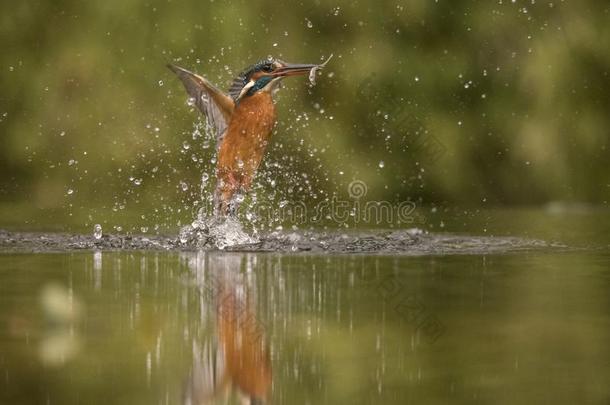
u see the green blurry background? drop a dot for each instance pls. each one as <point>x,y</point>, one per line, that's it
<point>446,103</point>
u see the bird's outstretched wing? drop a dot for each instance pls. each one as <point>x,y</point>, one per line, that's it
<point>213,103</point>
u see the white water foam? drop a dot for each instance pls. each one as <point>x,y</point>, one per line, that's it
<point>215,232</point>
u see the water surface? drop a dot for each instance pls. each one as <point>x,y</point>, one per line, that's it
<point>145,327</point>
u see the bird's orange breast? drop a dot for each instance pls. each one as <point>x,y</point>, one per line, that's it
<point>247,136</point>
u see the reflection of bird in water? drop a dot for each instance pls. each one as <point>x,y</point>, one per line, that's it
<point>243,121</point>
<point>240,357</point>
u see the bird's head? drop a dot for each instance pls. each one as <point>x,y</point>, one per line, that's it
<point>265,75</point>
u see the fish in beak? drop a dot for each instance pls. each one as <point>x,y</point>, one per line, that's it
<point>297,69</point>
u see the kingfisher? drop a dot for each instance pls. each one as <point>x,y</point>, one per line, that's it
<point>242,121</point>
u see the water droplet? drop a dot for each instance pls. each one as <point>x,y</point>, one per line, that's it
<point>184,186</point>
<point>309,23</point>
<point>97,231</point>
<point>70,191</point>
<point>160,83</point>
<point>186,145</point>
<point>381,164</point>
<point>137,182</point>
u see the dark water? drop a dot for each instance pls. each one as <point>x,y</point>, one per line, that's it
<point>526,322</point>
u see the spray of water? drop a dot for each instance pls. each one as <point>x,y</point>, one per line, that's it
<point>215,232</point>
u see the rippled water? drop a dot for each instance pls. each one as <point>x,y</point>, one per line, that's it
<point>410,242</point>
<point>298,318</point>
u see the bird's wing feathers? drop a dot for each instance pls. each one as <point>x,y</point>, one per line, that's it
<point>236,87</point>
<point>213,103</point>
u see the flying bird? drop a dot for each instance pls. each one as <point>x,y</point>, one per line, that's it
<point>242,120</point>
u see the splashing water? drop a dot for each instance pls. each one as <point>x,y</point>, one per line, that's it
<point>228,234</point>
<point>215,232</point>
<point>97,231</point>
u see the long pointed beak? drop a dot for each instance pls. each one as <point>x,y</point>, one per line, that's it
<point>294,69</point>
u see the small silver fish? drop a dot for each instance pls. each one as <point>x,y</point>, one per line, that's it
<point>314,70</point>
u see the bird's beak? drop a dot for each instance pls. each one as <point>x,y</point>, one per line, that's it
<point>294,69</point>
<point>297,69</point>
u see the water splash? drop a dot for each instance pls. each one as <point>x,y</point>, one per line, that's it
<point>97,231</point>
<point>228,234</point>
<point>215,232</point>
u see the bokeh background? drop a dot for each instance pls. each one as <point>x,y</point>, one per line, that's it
<point>444,103</point>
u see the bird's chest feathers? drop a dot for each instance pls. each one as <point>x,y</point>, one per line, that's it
<point>247,137</point>
<point>252,121</point>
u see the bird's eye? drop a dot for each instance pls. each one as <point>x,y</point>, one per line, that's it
<point>268,68</point>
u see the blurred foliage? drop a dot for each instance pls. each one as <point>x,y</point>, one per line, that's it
<point>464,102</point>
